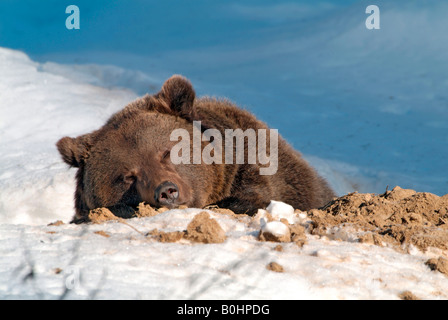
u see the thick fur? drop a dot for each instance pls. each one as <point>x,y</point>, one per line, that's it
<point>123,162</point>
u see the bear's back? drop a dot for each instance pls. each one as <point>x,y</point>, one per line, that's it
<point>295,182</point>
<point>223,114</point>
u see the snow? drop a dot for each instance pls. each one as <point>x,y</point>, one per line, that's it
<point>279,210</point>
<point>74,262</point>
<point>367,108</point>
<point>275,228</point>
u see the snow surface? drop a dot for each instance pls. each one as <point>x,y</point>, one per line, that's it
<point>367,108</point>
<point>279,210</point>
<point>75,262</point>
<point>275,228</point>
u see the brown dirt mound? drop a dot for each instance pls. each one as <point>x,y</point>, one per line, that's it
<point>399,217</point>
<point>205,229</point>
<point>274,266</point>
<point>100,215</point>
<point>202,229</point>
<point>440,264</point>
<point>145,210</point>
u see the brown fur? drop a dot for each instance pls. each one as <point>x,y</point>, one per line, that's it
<point>123,162</point>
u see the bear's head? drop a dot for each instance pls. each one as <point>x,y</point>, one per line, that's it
<point>127,161</point>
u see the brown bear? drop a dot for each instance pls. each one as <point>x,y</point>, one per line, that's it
<point>130,159</point>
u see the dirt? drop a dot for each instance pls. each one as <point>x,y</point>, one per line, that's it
<point>145,210</point>
<point>56,223</point>
<point>298,235</point>
<point>408,295</point>
<point>100,215</point>
<point>205,229</point>
<point>274,266</point>
<point>278,248</point>
<point>440,264</point>
<point>201,229</point>
<point>162,236</point>
<point>57,270</point>
<point>398,217</point>
<point>102,233</point>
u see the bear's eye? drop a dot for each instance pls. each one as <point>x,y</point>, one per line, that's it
<point>166,154</point>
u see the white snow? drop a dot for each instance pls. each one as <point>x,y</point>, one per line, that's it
<point>368,109</point>
<point>74,262</point>
<point>275,228</point>
<point>279,210</point>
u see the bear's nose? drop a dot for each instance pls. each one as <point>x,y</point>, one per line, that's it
<point>166,194</point>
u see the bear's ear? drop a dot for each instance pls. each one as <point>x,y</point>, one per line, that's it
<point>74,151</point>
<point>178,93</point>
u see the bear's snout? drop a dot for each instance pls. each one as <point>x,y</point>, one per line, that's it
<point>166,194</point>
